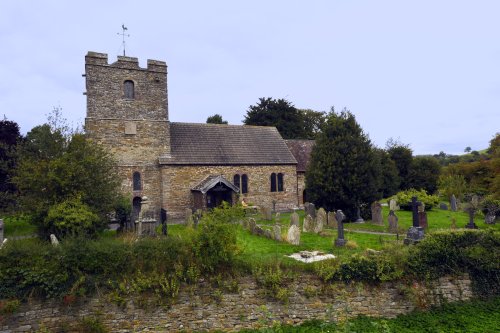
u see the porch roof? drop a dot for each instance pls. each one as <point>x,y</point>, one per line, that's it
<point>211,181</point>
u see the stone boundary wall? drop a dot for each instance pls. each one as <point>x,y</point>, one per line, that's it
<point>204,308</point>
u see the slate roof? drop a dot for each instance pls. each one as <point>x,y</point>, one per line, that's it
<point>301,150</point>
<point>211,181</point>
<point>213,144</point>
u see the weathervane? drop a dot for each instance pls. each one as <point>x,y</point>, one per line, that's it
<point>123,34</point>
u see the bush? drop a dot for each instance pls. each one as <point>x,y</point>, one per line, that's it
<point>404,198</point>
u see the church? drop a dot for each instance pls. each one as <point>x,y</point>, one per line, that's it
<point>184,165</point>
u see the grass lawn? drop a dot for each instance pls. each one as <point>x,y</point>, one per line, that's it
<point>17,226</point>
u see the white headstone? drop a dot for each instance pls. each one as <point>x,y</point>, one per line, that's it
<point>293,236</point>
<point>53,240</point>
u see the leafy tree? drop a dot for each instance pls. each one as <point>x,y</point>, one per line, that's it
<point>279,113</point>
<point>402,155</point>
<point>389,172</point>
<point>54,168</point>
<point>312,122</point>
<point>452,184</point>
<point>424,174</point>
<point>467,149</point>
<point>9,138</point>
<point>344,172</point>
<point>216,119</point>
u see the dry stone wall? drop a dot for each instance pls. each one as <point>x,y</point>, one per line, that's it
<point>205,308</point>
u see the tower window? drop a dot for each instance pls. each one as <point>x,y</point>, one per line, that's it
<point>244,183</point>
<point>128,88</point>
<point>137,181</point>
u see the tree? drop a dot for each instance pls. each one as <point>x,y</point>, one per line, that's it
<point>344,170</point>
<point>424,174</point>
<point>389,172</point>
<point>467,149</point>
<point>216,119</point>
<point>279,113</point>
<point>312,122</point>
<point>53,169</point>
<point>402,155</point>
<point>9,138</point>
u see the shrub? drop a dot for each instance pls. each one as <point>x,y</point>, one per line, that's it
<point>404,198</point>
<point>72,217</point>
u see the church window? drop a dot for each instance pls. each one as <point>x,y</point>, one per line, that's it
<point>273,182</point>
<point>137,181</point>
<point>128,88</point>
<point>236,181</point>
<point>244,183</point>
<point>280,182</point>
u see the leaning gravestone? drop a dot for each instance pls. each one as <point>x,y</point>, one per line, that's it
<point>377,213</point>
<point>320,221</point>
<point>259,231</point>
<point>294,219</point>
<point>293,235</point>
<point>1,231</point>
<point>393,205</point>
<point>392,220</point>
<point>311,210</point>
<point>277,233</point>
<point>332,221</point>
<point>453,203</point>
<point>252,225</point>
<point>53,240</point>
<point>340,241</point>
<point>307,226</point>
<point>267,213</point>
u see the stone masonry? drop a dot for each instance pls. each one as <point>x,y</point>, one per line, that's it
<point>198,309</point>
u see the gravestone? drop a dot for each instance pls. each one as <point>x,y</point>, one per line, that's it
<point>422,219</point>
<point>489,218</point>
<point>393,205</point>
<point>453,203</point>
<point>471,224</point>
<point>53,240</point>
<point>2,244</point>
<point>307,226</point>
<point>258,231</point>
<point>332,221</point>
<point>293,236</point>
<point>443,206</point>
<point>377,213</point>
<point>415,232</point>
<point>277,233</point>
<point>359,219</point>
<point>392,220</point>
<point>277,218</point>
<point>453,223</point>
<point>189,221</point>
<point>268,233</point>
<point>1,230</point>
<point>267,213</point>
<point>251,225</point>
<point>294,219</point>
<point>311,210</point>
<point>319,222</point>
<point>340,217</point>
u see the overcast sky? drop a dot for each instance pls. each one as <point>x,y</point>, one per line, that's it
<point>426,72</point>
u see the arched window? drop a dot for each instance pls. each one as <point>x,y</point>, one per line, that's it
<point>280,182</point>
<point>244,183</point>
<point>236,181</point>
<point>128,89</point>
<point>273,182</point>
<point>137,181</point>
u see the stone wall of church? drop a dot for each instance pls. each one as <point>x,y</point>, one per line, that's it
<point>177,182</point>
<point>301,185</point>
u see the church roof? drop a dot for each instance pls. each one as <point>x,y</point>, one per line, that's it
<point>301,150</point>
<point>213,144</point>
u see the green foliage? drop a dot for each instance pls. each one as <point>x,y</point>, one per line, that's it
<point>9,139</point>
<point>92,324</point>
<point>9,306</point>
<point>312,121</point>
<point>290,122</point>
<point>274,281</point>
<point>344,172</point>
<point>53,169</point>
<point>452,184</point>
<point>390,180</point>
<point>424,174</point>
<point>72,217</point>
<point>216,119</point>
<point>404,199</point>
<point>123,210</point>
<point>402,155</point>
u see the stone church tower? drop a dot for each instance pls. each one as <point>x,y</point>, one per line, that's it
<point>127,111</point>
